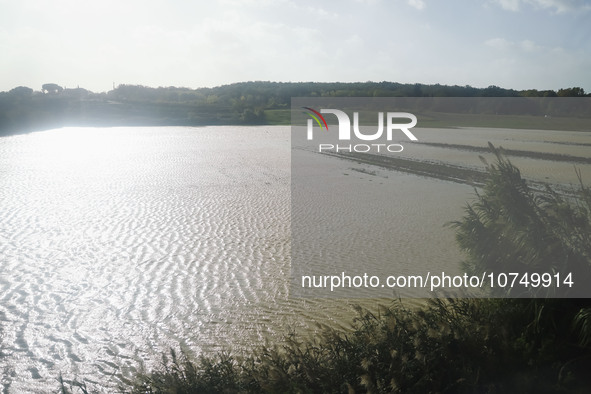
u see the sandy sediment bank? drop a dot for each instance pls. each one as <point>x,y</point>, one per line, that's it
<point>441,171</point>
<point>516,152</point>
<point>445,171</point>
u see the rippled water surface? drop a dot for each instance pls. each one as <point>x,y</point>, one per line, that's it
<point>117,244</point>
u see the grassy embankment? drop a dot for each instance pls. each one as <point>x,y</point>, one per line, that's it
<point>447,120</point>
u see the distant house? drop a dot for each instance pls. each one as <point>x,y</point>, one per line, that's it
<point>51,88</point>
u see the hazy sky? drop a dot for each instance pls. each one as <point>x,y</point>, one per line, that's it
<point>521,44</point>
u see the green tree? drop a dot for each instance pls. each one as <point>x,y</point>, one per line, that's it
<point>571,92</point>
<point>21,91</point>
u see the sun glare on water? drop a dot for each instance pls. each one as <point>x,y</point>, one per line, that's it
<point>78,145</point>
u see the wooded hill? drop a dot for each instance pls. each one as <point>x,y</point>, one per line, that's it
<point>22,109</point>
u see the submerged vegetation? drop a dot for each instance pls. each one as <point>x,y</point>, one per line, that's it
<point>504,345</point>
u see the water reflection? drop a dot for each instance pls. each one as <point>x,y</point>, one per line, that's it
<point>119,243</point>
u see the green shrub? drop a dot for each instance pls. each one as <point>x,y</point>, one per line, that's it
<point>514,228</point>
<point>453,345</point>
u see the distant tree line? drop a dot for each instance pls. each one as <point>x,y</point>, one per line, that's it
<point>22,109</point>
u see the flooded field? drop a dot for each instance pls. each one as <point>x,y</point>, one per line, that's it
<point>117,244</point>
